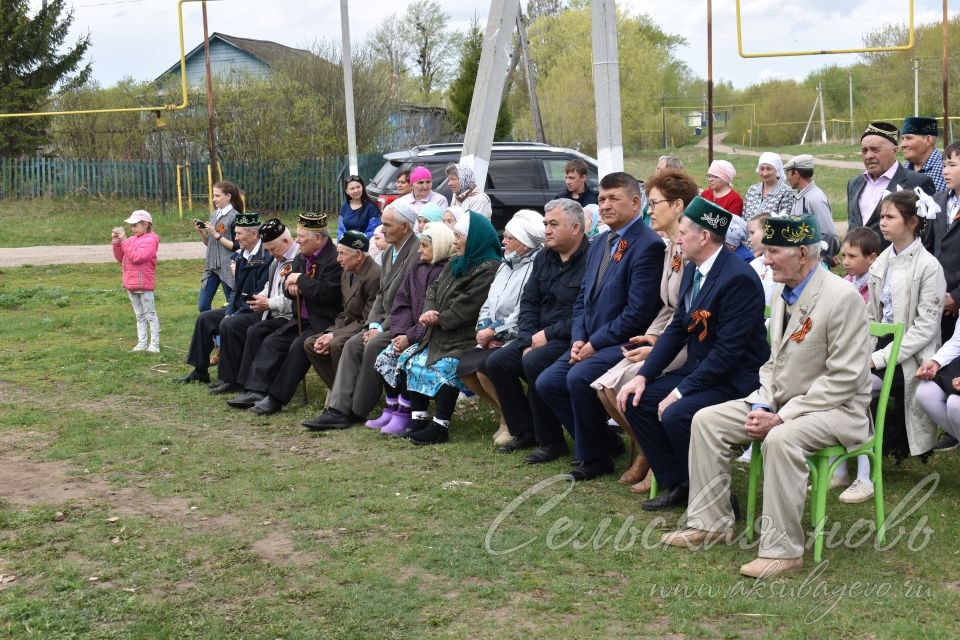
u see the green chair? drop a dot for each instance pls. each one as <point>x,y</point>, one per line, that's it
<point>653,480</point>
<point>821,469</point>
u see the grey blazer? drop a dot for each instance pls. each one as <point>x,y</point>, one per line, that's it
<point>391,275</point>
<point>903,177</point>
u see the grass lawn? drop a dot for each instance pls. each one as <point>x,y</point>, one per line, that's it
<point>137,508</point>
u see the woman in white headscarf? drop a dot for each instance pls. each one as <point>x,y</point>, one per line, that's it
<point>466,193</point>
<point>452,215</point>
<point>772,194</point>
<point>498,321</point>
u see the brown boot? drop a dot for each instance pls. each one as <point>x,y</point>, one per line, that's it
<point>644,485</point>
<point>637,470</point>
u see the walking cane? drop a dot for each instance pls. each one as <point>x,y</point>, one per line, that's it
<point>299,331</point>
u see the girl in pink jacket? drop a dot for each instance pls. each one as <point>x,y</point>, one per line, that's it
<point>138,255</point>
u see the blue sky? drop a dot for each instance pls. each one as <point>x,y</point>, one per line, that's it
<point>139,37</point>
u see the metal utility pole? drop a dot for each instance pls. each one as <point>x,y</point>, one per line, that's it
<point>709,82</point>
<point>852,131</point>
<point>606,86</point>
<point>163,176</point>
<point>946,134</point>
<point>806,129</point>
<point>823,120</point>
<point>488,92</point>
<point>211,123</point>
<point>531,81</point>
<point>347,55</point>
<point>916,86</point>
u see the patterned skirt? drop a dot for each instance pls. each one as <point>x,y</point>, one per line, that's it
<point>421,377</point>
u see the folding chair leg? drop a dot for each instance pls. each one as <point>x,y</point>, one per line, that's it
<point>818,507</point>
<point>877,473</point>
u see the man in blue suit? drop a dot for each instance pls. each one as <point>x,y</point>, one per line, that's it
<point>619,298</point>
<point>720,320</point>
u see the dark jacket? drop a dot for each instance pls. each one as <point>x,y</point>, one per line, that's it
<point>391,275</point>
<point>548,298</point>
<point>319,287</point>
<point>941,237</point>
<point>357,298</point>
<point>458,300</point>
<point>627,299</point>
<point>409,299</point>
<point>587,197</point>
<point>903,178</point>
<point>729,344</point>
<point>250,277</point>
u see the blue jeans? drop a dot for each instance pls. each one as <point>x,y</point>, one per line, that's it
<point>209,289</point>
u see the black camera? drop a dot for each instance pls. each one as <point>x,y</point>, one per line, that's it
<point>199,223</point>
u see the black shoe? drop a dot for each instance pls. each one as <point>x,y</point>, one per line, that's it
<point>946,443</point>
<point>419,424</point>
<point>668,499</point>
<point>546,454</point>
<point>353,419</point>
<point>194,376</point>
<point>245,400</point>
<point>330,419</point>
<point>591,470</point>
<point>523,441</point>
<point>575,462</point>
<point>267,406</point>
<point>224,387</point>
<point>434,433</point>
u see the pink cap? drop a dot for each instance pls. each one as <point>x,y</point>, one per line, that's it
<point>420,173</point>
<point>139,216</point>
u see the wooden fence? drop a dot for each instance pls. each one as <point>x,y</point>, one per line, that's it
<point>278,187</point>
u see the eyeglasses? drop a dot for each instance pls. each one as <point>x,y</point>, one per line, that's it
<point>654,203</point>
<point>710,176</point>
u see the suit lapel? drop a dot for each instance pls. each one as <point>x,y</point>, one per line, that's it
<point>715,271</point>
<point>805,304</point>
<point>630,237</point>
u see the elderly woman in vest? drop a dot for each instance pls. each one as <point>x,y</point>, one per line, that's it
<point>669,192</point>
<point>497,324</point>
<point>450,315</point>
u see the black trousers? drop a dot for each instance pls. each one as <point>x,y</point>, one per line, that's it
<point>291,372</point>
<point>444,402</point>
<point>254,337</point>
<point>526,411</point>
<point>266,351</point>
<point>205,328</point>
<point>233,337</point>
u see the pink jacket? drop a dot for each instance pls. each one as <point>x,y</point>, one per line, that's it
<point>138,255</point>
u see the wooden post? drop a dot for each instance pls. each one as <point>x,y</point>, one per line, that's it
<point>210,189</point>
<point>179,193</point>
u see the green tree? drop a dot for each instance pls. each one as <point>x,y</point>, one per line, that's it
<point>430,43</point>
<point>461,89</point>
<point>31,67</point>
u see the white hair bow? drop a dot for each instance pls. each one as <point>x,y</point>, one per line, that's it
<point>927,208</point>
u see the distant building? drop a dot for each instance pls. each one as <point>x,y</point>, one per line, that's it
<point>233,58</point>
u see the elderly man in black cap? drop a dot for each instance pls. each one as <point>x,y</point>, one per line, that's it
<point>251,264</point>
<point>878,149</point>
<point>918,141</point>
<point>360,284</point>
<point>314,287</point>
<point>271,310</point>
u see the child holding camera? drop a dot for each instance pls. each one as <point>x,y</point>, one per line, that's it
<point>217,234</point>
<point>138,256</point>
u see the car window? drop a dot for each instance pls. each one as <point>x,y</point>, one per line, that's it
<point>554,170</point>
<point>512,174</point>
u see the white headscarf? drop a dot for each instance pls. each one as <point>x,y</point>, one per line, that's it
<point>463,224</point>
<point>441,239</point>
<point>737,233</point>
<point>772,159</point>
<point>527,227</point>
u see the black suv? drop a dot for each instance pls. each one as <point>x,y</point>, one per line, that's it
<point>521,175</point>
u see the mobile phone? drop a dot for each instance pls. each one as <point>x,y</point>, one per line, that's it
<point>198,223</point>
<point>248,296</point>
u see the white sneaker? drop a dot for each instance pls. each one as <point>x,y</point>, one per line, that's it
<point>859,491</point>
<point>139,348</point>
<point>153,348</point>
<point>839,480</point>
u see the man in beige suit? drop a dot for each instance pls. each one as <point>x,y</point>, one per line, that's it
<point>357,385</point>
<point>814,392</point>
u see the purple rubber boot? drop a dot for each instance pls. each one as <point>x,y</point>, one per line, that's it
<point>398,423</point>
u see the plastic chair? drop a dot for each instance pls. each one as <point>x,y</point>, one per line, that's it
<point>821,469</point>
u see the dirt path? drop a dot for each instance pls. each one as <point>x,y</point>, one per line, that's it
<point>719,147</point>
<point>74,254</point>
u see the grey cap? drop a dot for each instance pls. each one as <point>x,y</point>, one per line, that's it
<point>803,161</point>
